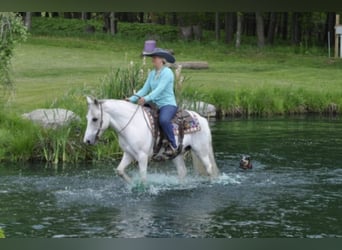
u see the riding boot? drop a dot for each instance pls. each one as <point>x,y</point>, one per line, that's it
<point>170,151</point>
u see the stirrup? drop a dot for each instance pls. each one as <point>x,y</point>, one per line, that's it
<point>170,151</point>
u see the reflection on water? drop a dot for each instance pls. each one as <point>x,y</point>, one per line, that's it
<point>294,190</point>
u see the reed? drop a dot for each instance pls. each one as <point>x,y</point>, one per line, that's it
<point>2,234</point>
<point>122,82</point>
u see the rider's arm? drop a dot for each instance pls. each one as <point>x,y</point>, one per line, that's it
<point>142,92</point>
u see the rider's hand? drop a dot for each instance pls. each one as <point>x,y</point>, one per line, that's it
<point>141,101</point>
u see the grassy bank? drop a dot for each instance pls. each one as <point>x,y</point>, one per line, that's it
<point>246,81</point>
<point>59,71</point>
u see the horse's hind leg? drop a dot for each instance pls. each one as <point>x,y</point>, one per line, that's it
<point>125,161</point>
<point>180,164</point>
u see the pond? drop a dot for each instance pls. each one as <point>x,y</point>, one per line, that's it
<point>293,190</point>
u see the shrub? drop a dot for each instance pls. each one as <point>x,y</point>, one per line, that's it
<point>76,27</point>
<point>17,138</point>
<point>12,31</point>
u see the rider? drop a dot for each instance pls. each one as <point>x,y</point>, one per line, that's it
<point>158,89</point>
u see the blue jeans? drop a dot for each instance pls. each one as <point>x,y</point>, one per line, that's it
<point>166,113</point>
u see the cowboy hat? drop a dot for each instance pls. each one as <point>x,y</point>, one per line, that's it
<point>160,53</point>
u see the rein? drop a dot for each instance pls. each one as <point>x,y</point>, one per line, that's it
<point>122,129</point>
<point>130,120</point>
<point>101,123</point>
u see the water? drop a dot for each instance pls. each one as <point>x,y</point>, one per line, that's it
<point>294,190</point>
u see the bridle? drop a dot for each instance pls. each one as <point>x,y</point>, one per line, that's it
<point>122,129</point>
<point>101,123</point>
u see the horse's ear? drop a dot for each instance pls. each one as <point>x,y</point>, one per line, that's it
<point>89,100</point>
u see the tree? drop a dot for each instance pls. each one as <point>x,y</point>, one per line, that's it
<point>229,27</point>
<point>330,28</point>
<point>28,19</point>
<point>296,27</point>
<point>217,26</point>
<point>271,28</point>
<point>238,29</point>
<point>260,29</point>
<point>12,31</point>
<point>284,26</point>
<point>112,23</point>
<point>86,15</point>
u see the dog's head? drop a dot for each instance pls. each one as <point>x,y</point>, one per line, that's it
<point>245,162</point>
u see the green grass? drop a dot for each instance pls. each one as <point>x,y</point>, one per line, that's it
<point>44,68</point>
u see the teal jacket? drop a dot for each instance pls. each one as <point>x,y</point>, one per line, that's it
<point>158,88</point>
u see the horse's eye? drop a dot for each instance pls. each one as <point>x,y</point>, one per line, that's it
<point>95,119</point>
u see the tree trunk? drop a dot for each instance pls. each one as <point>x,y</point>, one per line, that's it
<point>174,19</point>
<point>260,29</point>
<point>161,19</point>
<point>141,17</point>
<point>330,27</point>
<point>249,24</point>
<point>106,22</point>
<point>229,27</point>
<point>284,26</point>
<point>296,28</point>
<point>28,20</point>
<point>217,26</point>
<point>112,23</point>
<point>271,28</point>
<point>238,30</point>
<point>193,65</point>
<point>86,16</point>
<point>197,32</point>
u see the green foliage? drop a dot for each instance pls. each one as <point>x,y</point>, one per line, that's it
<point>12,31</point>
<point>62,26</point>
<point>270,100</point>
<point>76,27</point>
<point>17,137</point>
<point>2,234</point>
<point>148,30</point>
<point>123,82</point>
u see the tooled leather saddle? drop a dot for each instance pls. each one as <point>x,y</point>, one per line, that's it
<point>183,123</point>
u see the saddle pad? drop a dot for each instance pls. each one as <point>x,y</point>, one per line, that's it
<point>190,121</point>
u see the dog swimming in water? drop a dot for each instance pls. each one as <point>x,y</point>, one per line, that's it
<point>245,162</point>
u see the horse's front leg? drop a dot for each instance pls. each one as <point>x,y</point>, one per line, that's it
<point>125,161</point>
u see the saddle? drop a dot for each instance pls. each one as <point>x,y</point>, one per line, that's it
<point>183,123</point>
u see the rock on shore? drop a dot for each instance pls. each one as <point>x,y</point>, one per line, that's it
<point>51,118</point>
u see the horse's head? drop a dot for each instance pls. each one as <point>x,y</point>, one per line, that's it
<point>97,121</point>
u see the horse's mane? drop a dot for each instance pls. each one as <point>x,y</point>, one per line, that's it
<point>130,106</point>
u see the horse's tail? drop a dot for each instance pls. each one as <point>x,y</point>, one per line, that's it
<point>198,164</point>
<point>215,170</point>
